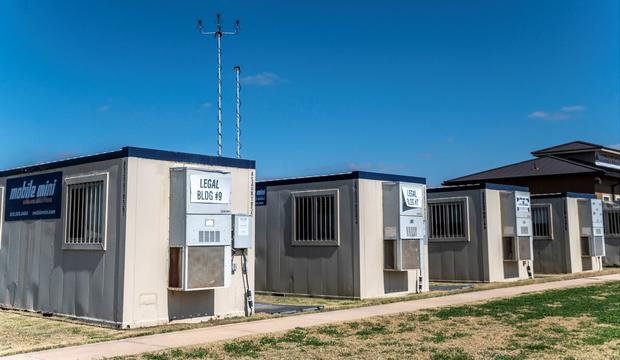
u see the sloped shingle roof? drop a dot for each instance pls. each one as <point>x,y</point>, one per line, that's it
<point>543,166</point>
<point>574,146</point>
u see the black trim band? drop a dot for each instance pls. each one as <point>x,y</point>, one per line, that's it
<point>345,176</point>
<point>564,195</point>
<point>490,186</point>
<point>137,152</point>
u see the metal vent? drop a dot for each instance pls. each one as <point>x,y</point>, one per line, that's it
<point>412,231</point>
<point>211,236</point>
<point>524,230</point>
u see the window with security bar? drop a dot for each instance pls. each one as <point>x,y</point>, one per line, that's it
<point>448,219</point>
<point>541,222</point>
<point>315,218</point>
<point>611,218</point>
<point>86,212</point>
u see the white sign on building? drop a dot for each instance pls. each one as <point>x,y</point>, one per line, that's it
<point>210,188</point>
<point>412,196</point>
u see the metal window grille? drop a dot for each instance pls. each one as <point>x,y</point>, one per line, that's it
<point>541,221</point>
<point>315,218</point>
<point>86,212</point>
<point>448,219</point>
<point>612,222</point>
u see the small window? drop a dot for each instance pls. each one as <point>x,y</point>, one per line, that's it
<point>448,219</point>
<point>612,222</point>
<point>509,248</point>
<point>86,212</point>
<point>541,221</point>
<point>315,218</point>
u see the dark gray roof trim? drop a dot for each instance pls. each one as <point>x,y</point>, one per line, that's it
<point>564,195</point>
<point>138,153</point>
<point>344,176</point>
<point>480,186</point>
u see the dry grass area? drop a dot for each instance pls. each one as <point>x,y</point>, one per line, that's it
<point>578,323</point>
<point>338,304</point>
<point>25,332</point>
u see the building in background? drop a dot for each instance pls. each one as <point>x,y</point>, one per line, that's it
<point>479,233</point>
<point>352,235</point>
<point>129,238</point>
<point>568,233</point>
<point>577,166</point>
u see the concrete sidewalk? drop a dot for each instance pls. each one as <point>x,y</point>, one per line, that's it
<point>205,335</point>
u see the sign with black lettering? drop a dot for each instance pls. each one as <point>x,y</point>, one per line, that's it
<point>33,197</point>
<point>412,197</point>
<point>522,200</point>
<point>210,188</point>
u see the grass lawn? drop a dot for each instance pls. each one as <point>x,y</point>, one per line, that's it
<point>25,332</point>
<point>576,323</point>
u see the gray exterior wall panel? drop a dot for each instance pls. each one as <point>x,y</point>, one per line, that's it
<point>460,260</point>
<point>612,251</point>
<point>551,256</point>
<point>37,274</point>
<point>315,270</point>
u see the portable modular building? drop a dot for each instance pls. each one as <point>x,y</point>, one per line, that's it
<point>568,233</point>
<point>353,235</point>
<point>611,218</point>
<point>479,233</point>
<point>129,238</point>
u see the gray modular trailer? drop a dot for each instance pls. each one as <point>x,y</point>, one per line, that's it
<point>354,235</point>
<point>479,233</point>
<point>568,233</point>
<point>611,218</point>
<point>129,238</point>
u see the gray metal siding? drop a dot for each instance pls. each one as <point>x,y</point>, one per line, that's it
<point>460,260</point>
<point>551,256</point>
<point>612,243</point>
<point>312,270</point>
<point>37,274</point>
<point>612,251</point>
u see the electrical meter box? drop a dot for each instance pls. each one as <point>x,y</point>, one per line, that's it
<point>404,225</point>
<point>591,227</point>
<point>517,225</point>
<point>242,232</point>
<point>200,229</point>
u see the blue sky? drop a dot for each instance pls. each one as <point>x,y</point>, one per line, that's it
<point>428,88</point>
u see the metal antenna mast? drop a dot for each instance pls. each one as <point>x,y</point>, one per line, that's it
<point>238,81</point>
<point>218,33</point>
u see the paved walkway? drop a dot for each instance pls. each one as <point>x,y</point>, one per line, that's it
<point>205,335</point>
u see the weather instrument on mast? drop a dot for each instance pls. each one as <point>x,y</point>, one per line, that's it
<point>218,33</point>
